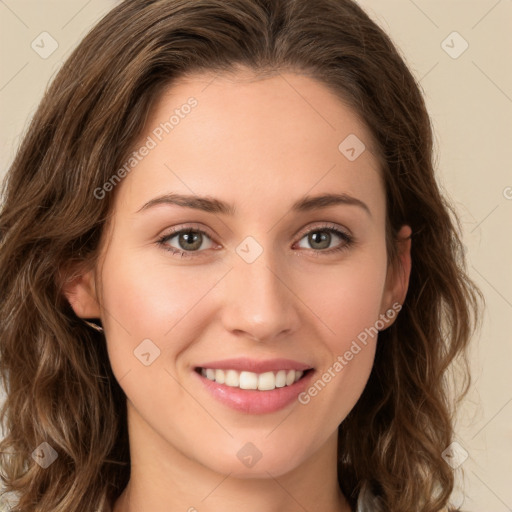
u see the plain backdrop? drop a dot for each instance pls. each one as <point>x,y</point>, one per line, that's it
<point>460,50</point>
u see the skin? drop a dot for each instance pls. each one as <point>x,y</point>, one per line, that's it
<point>260,144</point>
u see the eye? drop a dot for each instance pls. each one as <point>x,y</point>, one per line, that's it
<point>184,241</point>
<point>187,241</point>
<point>321,239</point>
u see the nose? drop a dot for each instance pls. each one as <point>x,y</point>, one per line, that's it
<point>259,302</point>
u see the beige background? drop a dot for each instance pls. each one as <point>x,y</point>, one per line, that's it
<point>470,100</point>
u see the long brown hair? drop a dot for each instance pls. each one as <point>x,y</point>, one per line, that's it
<point>55,370</point>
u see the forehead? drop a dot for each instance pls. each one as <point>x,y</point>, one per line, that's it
<point>246,97</point>
<point>253,135</point>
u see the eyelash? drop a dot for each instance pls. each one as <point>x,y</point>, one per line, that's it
<point>347,239</point>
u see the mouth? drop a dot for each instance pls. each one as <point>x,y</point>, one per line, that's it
<point>266,381</point>
<point>254,387</point>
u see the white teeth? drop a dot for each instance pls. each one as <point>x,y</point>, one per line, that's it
<point>266,381</point>
<point>220,376</point>
<point>249,380</point>
<point>281,379</point>
<point>232,378</point>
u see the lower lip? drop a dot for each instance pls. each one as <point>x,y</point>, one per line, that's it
<point>252,401</point>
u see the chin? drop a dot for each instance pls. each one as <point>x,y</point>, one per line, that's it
<point>247,463</point>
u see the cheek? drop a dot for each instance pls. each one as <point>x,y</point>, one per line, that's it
<point>144,298</point>
<point>347,299</point>
<point>152,300</point>
<point>347,303</point>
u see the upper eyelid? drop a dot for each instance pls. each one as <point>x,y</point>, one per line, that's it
<point>175,231</point>
<point>327,226</point>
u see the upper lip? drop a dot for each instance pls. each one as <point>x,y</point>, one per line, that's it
<point>252,365</point>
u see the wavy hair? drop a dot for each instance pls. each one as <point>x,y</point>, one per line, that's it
<point>55,370</point>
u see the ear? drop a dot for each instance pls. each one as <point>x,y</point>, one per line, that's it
<point>397,280</point>
<point>80,291</point>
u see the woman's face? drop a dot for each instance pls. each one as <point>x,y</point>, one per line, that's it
<point>265,278</point>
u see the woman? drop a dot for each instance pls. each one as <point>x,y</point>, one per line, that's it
<point>229,277</point>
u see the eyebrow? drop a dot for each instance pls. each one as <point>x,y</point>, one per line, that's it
<point>213,205</point>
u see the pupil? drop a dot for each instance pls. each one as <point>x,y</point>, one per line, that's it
<point>190,238</point>
<point>320,237</point>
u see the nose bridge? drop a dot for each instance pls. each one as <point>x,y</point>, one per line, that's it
<point>258,300</point>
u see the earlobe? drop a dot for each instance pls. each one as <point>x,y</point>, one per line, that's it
<point>397,282</point>
<point>80,292</point>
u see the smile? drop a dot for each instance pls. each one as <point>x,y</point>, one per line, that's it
<point>254,386</point>
<point>266,381</point>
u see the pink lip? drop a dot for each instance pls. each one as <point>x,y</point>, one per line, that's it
<point>241,364</point>
<point>253,401</point>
